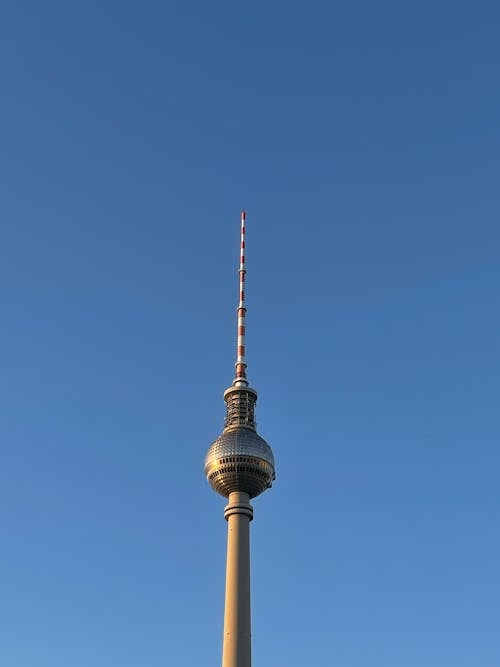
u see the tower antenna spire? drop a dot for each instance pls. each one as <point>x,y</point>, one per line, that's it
<point>241,366</point>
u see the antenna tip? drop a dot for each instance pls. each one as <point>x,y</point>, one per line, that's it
<point>243,215</point>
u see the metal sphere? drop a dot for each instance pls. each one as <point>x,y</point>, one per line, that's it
<point>240,460</point>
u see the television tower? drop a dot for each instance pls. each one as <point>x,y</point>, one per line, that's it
<point>239,465</point>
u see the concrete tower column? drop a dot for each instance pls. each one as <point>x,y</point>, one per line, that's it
<point>236,650</point>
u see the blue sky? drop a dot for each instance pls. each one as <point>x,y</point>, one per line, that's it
<point>363,140</point>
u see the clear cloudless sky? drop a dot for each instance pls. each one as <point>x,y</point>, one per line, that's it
<point>363,140</point>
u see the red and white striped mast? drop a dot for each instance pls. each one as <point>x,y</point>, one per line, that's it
<point>241,366</point>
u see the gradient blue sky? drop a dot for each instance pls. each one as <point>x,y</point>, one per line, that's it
<point>363,140</point>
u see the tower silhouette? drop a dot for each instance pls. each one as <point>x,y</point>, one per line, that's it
<point>239,465</point>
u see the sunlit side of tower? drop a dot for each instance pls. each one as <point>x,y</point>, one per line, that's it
<point>239,465</point>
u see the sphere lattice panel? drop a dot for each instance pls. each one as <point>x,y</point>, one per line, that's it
<point>240,460</point>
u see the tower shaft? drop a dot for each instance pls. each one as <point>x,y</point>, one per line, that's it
<point>236,650</point>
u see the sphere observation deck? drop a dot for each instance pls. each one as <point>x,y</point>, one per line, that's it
<point>239,459</point>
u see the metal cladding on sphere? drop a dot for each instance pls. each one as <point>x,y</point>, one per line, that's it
<point>240,460</point>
